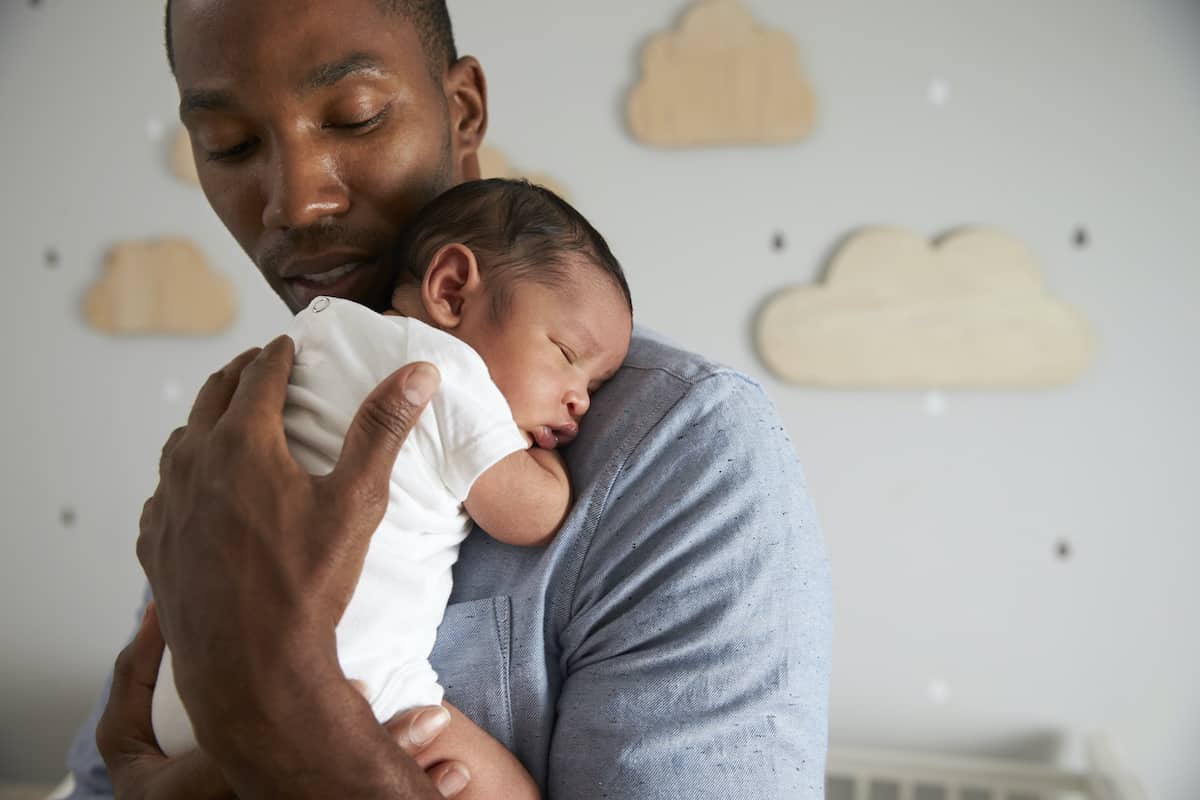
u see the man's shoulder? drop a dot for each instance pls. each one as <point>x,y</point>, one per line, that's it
<point>661,398</point>
<point>651,351</point>
<point>658,376</point>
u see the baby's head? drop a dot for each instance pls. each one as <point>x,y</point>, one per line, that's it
<point>517,273</point>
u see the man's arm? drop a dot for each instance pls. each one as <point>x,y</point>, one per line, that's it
<point>523,498</point>
<point>696,658</point>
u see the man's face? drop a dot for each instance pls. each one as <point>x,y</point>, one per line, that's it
<point>318,130</point>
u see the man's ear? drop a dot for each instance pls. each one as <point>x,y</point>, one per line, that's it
<point>451,282</point>
<point>466,97</point>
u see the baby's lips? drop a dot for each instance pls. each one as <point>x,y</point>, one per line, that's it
<point>566,434</point>
<point>544,438</point>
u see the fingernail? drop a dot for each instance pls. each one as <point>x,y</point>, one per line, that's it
<point>454,781</point>
<point>428,725</point>
<point>420,384</point>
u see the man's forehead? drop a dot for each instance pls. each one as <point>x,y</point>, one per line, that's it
<point>241,23</point>
<point>307,44</point>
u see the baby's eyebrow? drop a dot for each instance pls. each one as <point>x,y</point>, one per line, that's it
<point>585,336</point>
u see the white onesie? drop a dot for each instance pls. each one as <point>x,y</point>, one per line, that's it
<point>343,351</point>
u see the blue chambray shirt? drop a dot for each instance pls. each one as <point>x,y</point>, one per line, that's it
<point>673,641</point>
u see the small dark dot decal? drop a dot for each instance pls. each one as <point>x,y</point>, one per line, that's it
<point>52,257</point>
<point>778,243</point>
<point>1063,550</point>
<point>1081,238</point>
<point>68,517</point>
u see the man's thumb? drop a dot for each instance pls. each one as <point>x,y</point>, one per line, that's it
<point>382,424</point>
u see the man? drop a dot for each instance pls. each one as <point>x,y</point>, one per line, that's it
<point>672,642</point>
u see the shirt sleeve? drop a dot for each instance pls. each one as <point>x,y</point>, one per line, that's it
<point>696,656</point>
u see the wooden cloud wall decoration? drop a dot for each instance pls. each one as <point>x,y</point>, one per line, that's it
<point>161,286</point>
<point>494,164</point>
<point>897,311</point>
<point>720,79</point>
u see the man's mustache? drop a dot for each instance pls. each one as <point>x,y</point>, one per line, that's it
<point>317,239</point>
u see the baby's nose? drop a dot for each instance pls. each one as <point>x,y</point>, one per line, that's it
<point>577,405</point>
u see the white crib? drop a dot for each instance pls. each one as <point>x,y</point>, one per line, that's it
<point>870,774</point>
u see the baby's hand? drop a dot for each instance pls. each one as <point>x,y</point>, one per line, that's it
<point>415,731</point>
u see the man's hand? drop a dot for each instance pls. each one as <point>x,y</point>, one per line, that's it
<point>136,767</point>
<point>139,770</point>
<point>252,561</point>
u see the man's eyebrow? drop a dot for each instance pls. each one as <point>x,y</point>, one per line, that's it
<point>320,77</point>
<point>327,75</point>
<point>204,100</point>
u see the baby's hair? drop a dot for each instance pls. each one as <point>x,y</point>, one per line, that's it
<point>517,231</point>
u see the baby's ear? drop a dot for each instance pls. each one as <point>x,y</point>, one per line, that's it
<point>451,282</point>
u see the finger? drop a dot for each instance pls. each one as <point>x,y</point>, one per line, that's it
<point>149,514</point>
<point>262,388</point>
<point>126,718</point>
<point>164,458</point>
<point>147,543</point>
<point>417,728</point>
<point>381,426</point>
<point>145,651</point>
<point>171,443</point>
<point>450,777</point>
<point>217,391</point>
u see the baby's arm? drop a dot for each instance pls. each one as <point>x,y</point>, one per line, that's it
<point>495,772</point>
<point>523,498</point>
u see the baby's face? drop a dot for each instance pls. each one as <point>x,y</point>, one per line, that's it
<point>552,348</point>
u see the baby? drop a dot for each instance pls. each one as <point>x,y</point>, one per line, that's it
<point>521,305</point>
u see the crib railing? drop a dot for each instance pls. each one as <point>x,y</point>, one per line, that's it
<point>875,774</point>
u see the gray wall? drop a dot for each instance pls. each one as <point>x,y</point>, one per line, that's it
<point>957,625</point>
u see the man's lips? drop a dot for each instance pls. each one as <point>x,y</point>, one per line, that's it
<point>332,276</point>
<point>335,277</point>
<point>319,268</point>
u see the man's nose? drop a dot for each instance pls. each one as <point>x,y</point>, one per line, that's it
<point>302,186</point>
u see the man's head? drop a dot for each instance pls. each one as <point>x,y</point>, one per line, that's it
<point>524,278</point>
<point>320,126</point>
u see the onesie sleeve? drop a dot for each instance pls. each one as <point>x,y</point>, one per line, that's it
<point>474,420</point>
